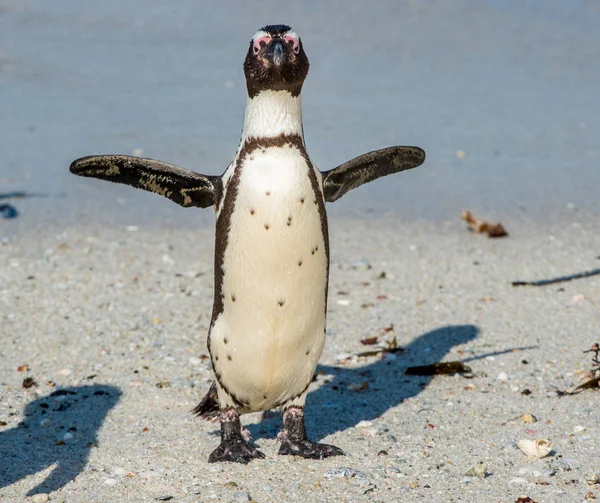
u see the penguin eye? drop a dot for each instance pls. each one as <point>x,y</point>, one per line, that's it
<point>260,43</point>
<point>293,41</point>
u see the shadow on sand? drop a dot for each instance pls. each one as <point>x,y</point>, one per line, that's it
<point>333,407</point>
<point>31,446</point>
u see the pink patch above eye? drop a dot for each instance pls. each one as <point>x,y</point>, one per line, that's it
<point>294,41</point>
<point>260,42</point>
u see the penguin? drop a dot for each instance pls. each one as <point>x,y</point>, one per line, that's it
<point>271,261</point>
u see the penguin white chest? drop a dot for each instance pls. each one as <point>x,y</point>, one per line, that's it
<point>268,339</point>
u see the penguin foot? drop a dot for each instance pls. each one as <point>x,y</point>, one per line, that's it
<point>234,446</point>
<point>294,441</point>
<point>308,449</point>
<point>237,451</point>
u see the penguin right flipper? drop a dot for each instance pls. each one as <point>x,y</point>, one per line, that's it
<point>368,167</point>
<point>182,186</point>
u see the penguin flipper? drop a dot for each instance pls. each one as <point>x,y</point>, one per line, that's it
<point>368,167</point>
<point>182,186</point>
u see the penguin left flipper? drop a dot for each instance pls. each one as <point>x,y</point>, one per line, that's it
<point>368,167</point>
<point>182,186</point>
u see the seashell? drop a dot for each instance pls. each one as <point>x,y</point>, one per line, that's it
<point>536,448</point>
<point>528,418</point>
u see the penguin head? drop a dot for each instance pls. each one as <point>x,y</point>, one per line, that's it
<point>275,61</point>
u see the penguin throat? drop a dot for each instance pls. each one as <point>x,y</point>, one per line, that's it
<point>272,113</point>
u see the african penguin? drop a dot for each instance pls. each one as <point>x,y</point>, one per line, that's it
<point>271,247</point>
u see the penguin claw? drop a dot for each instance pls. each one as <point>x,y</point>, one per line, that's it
<point>309,450</point>
<point>236,452</point>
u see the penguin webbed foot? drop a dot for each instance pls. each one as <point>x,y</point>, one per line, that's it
<point>236,451</point>
<point>294,441</point>
<point>234,446</point>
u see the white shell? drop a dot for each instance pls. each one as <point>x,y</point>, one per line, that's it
<point>536,448</point>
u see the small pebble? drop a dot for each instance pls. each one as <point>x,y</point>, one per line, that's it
<point>562,464</point>
<point>67,436</point>
<point>40,498</point>
<point>519,481</point>
<point>370,432</point>
<point>380,429</point>
<point>591,478</point>
<point>477,470</point>
<point>528,418</point>
<point>45,423</point>
<point>502,377</point>
<point>240,497</point>
<point>344,472</point>
<point>544,473</point>
<point>111,482</point>
<point>344,357</point>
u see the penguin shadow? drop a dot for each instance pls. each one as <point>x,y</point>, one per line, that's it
<point>58,429</point>
<point>364,393</point>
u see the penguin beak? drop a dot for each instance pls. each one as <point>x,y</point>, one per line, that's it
<point>276,52</point>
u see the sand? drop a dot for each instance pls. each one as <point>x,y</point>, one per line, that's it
<point>113,322</point>
<point>105,292</point>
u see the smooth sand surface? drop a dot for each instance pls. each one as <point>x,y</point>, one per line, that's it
<point>116,321</point>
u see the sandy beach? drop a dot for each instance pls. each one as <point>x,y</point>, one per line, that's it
<point>106,292</point>
<point>115,321</point>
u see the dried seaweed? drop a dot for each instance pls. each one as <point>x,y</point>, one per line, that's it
<point>589,379</point>
<point>440,368</point>
<point>482,227</point>
<point>560,279</point>
<point>391,346</point>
